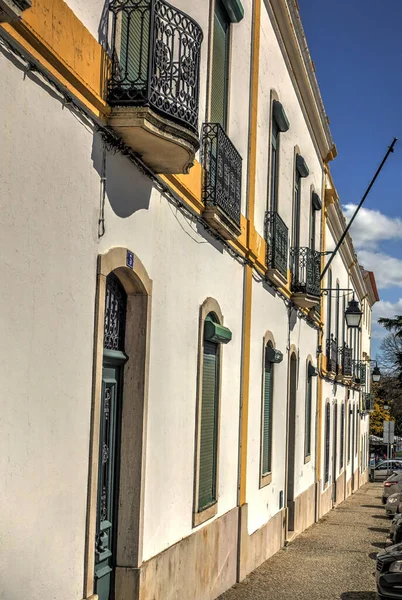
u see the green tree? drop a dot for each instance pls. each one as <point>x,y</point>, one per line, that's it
<point>394,325</point>
<point>377,418</point>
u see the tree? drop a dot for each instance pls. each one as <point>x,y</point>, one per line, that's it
<point>394,325</point>
<point>377,418</point>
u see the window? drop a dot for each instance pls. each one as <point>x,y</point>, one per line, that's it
<point>329,305</point>
<point>220,65</point>
<point>327,439</point>
<point>309,391</point>
<point>266,461</point>
<point>296,210</point>
<point>337,307</point>
<point>342,436</point>
<point>209,422</point>
<point>343,320</point>
<point>312,226</point>
<point>274,166</point>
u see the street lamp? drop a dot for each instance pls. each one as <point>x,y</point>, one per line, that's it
<point>386,406</point>
<point>353,314</point>
<point>376,375</point>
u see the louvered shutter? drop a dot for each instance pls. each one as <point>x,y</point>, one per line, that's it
<point>327,434</point>
<point>209,427</point>
<point>308,416</point>
<point>267,416</point>
<point>133,55</point>
<point>220,66</point>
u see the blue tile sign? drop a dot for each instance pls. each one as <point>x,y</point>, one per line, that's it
<point>130,259</point>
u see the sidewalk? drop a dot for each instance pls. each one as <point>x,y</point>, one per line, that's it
<point>334,559</point>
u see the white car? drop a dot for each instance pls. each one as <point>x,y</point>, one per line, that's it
<point>384,469</point>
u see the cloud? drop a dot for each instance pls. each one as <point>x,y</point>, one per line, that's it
<point>372,227</point>
<point>387,269</point>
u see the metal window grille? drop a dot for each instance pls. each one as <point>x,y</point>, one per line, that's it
<point>277,238</point>
<point>305,266</point>
<point>332,355</point>
<point>115,314</point>
<point>222,173</point>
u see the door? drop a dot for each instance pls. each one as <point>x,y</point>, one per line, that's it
<point>107,483</point>
<point>114,359</point>
<point>292,443</point>
<point>334,453</point>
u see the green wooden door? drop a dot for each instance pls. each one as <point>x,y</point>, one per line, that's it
<point>107,483</point>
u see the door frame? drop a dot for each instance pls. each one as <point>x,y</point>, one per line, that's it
<point>138,286</point>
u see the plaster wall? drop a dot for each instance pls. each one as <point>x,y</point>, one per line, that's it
<point>269,313</point>
<point>49,195</point>
<point>178,259</point>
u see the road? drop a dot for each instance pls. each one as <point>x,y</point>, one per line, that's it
<point>333,560</point>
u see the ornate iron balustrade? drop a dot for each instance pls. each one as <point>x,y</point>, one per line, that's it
<point>368,401</point>
<point>305,267</point>
<point>360,372</point>
<point>222,172</point>
<point>347,361</point>
<point>156,52</point>
<point>277,238</point>
<point>332,355</point>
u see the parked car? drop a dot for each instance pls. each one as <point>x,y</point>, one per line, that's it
<point>395,533</point>
<point>392,505</point>
<point>389,573</point>
<point>392,485</point>
<point>384,469</point>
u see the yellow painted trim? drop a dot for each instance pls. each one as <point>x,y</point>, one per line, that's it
<point>251,245</point>
<point>248,283</point>
<point>56,38</point>
<point>188,187</point>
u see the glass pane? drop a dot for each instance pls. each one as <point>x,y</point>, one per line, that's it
<point>220,66</point>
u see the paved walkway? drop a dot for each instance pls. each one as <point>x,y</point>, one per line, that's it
<point>333,560</point>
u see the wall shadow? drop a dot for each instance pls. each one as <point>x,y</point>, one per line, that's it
<point>127,189</point>
<point>359,596</point>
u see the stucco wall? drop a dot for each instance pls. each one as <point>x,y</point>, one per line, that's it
<point>49,196</point>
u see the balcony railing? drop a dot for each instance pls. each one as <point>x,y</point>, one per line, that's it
<point>156,59</point>
<point>276,236</point>
<point>347,361</point>
<point>332,355</point>
<point>359,372</point>
<point>222,174</point>
<point>368,401</point>
<point>305,267</point>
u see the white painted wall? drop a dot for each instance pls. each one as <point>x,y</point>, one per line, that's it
<point>49,196</point>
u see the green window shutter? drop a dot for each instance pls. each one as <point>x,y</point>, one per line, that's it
<point>308,416</point>
<point>133,53</point>
<point>267,420</point>
<point>209,426</point>
<point>220,66</point>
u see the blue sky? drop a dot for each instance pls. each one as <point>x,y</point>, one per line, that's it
<point>356,46</point>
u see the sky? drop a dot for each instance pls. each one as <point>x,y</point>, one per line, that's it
<point>356,46</point>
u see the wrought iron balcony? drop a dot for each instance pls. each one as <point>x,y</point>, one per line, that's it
<point>277,236</point>
<point>347,362</point>
<point>222,180</point>
<point>368,401</point>
<point>359,372</point>
<point>305,267</point>
<point>154,82</point>
<point>332,355</point>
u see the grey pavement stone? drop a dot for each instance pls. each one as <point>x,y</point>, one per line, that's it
<point>333,560</point>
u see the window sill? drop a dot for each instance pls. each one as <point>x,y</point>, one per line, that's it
<point>307,459</point>
<point>204,515</point>
<point>265,480</point>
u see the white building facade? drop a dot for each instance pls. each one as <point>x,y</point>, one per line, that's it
<point>165,206</point>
